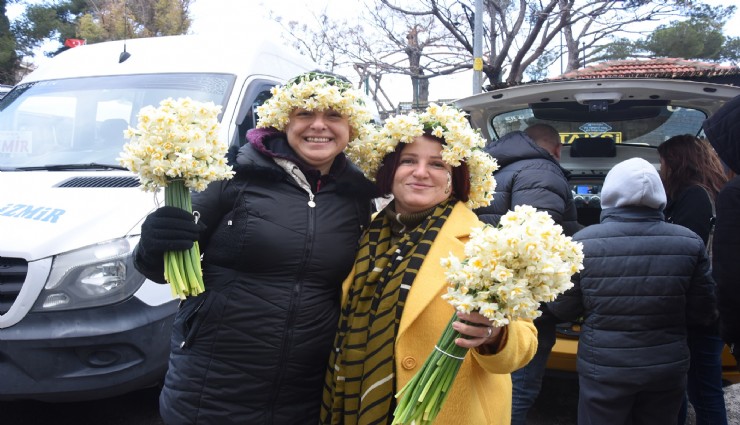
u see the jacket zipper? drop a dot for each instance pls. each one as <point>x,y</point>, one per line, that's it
<point>302,182</point>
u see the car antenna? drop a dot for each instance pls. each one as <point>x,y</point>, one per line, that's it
<point>124,54</point>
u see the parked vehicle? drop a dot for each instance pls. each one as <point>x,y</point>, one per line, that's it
<point>601,123</point>
<point>77,321</point>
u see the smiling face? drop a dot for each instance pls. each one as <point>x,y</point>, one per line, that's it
<point>317,137</point>
<point>422,177</point>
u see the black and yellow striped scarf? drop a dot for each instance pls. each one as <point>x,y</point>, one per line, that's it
<point>360,381</point>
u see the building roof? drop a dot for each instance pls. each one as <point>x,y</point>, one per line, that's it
<point>653,68</point>
<point>671,68</point>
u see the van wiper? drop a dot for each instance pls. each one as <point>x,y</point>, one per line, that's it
<point>64,167</point>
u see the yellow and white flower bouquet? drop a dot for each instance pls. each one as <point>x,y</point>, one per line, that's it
<point>507,271</point>
<point>176,147</point>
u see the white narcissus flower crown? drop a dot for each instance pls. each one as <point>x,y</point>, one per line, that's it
<point>315,91</point>
<point>462,144</point>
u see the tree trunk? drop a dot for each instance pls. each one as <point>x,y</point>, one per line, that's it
<point>573,53</point>
<point>423,90</point>
<point>419,85</point>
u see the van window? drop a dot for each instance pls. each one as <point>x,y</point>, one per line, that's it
<point>82,120</point>
<point>257,93</point>
<point>630,123</point>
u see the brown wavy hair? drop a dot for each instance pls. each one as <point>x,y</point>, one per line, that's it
<point>387,170</point>
<point>688,160</point>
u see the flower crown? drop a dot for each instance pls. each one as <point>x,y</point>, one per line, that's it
<point>462,144</point>
<point>315,91</point>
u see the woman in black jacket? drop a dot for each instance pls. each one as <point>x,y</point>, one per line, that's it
<point>692,175</point>
<point>277,241</point>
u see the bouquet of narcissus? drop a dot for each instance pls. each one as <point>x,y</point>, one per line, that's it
<point>507,271</point>
<point>176,146</point>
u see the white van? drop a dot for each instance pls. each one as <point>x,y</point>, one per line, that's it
<point>77,321</point>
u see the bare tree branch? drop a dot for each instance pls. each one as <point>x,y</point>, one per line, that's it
<point>425,39</point>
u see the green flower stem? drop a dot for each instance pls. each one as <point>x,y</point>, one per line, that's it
<point>421,399</point>
<point>182,268</point>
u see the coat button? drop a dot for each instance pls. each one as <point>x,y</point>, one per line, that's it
<point>408,363</point>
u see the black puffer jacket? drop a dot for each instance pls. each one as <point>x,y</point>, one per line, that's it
<point>643,282</point>
<point>529,175</point>
<point>723,132</point>
<point>253,348</point>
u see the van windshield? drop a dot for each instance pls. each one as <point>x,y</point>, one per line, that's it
<point>82,120</point>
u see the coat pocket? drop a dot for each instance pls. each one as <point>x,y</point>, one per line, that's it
<point>190,317</point>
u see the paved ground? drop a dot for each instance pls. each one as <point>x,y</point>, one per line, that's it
<point>732,404</point>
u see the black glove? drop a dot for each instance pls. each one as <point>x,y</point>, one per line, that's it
<point>168,229</point>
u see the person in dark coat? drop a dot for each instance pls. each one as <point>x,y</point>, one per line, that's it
<point>644,282</point>
<point>692,175</point>
<point>723,132</point>
<point>530,174</point>
<point>277,240</point>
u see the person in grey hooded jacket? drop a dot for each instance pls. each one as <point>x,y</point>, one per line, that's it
<point>643,283</point>
<point>530,174</point>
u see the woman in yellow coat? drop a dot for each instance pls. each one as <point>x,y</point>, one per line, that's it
<point>393,312</point>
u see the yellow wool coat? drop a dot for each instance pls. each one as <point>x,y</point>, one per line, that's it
<point>481,393</point>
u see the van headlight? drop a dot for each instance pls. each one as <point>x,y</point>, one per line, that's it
<point>92,276</point>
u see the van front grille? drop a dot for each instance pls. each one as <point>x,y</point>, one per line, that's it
<point>99,182</point>
<point>12,275</point>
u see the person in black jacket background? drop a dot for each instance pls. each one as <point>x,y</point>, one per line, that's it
<point>277,240</point>
<point>692,175</point>
<point>644,282</point>
<point>723,132</point>
<point>530,174</point>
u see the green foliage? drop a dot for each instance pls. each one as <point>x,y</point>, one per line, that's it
<point>717,15</point>
<point>699,37</point>
<point>539,70</point>
<point>170,18</point>
<point>8,57</point>
<point>100,20</point>
<point>8,60</point>
<point>91,20</point>
<point>692,39</point>
<point>620,48</point>
<point>89,30</point>
<point>731,50</point>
